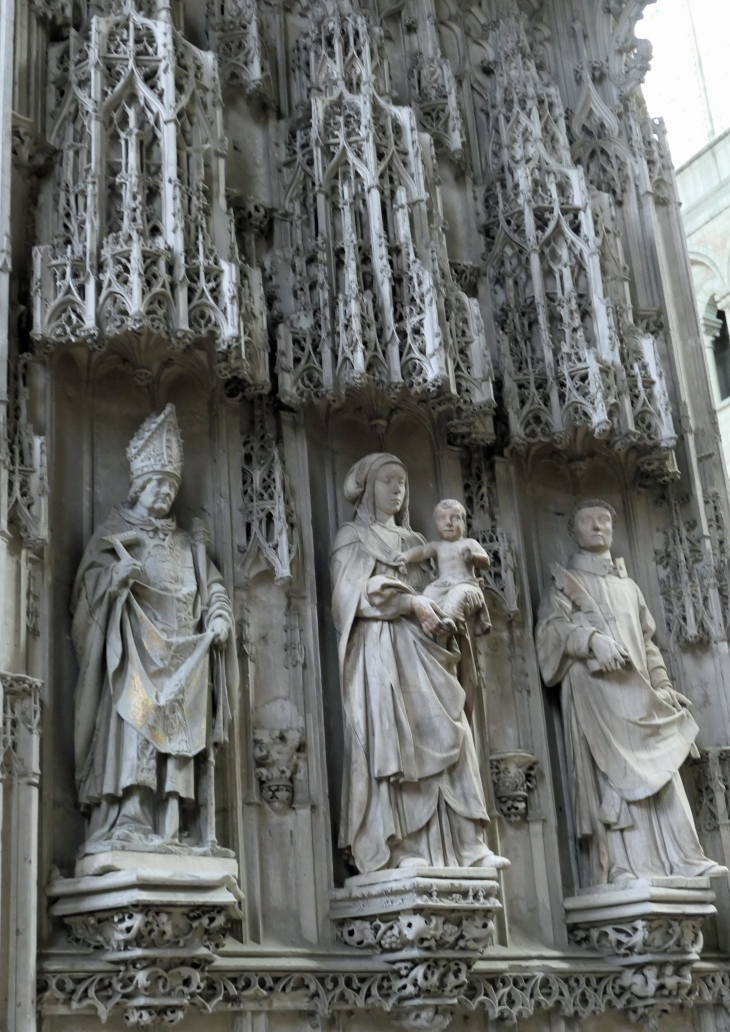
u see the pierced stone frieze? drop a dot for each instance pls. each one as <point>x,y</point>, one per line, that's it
<point>560,355</point>
<point>136,239</point>
<point>235,37</point>
<point>21,718</point>
<point>514,776</point>
<point>361,234</point>
<point>685,580</point>
<point>278,754</point>
<point>504,996</point>
<point>269,526</point>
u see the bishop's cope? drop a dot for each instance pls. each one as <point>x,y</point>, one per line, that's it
<point>153,630</point>
<point>627,731</point>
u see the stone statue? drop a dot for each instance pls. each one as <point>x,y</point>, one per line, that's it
<point>153,631</point>
<point>627,731</point>
<point>412,794</point>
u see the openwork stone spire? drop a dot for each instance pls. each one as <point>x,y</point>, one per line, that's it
<point>138,237</point>
<point>362,233</point>
<point>570,352</point>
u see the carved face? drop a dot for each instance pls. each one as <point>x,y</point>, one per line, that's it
<point>157,495</point>
<point>389,489</point>
<point>594,529</point>
<point>450,523</point>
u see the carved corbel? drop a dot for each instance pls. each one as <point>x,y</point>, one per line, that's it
<point>278,755</point>
<point>514,776</point>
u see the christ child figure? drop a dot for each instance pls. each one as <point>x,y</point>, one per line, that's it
<point>456,591</point>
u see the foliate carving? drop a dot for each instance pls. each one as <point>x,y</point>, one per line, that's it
<point>278,755</point>
<point>27,501</point>
<point>142,928</point>
<point>362,240</point>
<point>269,527</point>
<point>644,936</point>
<point>560,354</point>
<point>425,932</point>
<point>136,240</point>
<point>235,37</point>
<point>21,714</point>
<point>436,100</point>
<point>685,580</point>
<point>514,776</point>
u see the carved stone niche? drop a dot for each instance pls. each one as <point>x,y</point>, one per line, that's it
<point>159,919</point>
<point>651,930</point>
<point>430,924</point>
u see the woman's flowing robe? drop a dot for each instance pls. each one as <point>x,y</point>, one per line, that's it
<point>410,764</point>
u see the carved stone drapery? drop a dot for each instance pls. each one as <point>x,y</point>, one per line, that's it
<point>136,236</point>
<point>361,234</point>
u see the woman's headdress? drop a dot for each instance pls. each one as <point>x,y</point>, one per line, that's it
<point>359,489</point>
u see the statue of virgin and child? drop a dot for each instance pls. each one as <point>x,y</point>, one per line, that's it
<point>412,794</point>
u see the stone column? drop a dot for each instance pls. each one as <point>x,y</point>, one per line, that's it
<point>20,767</point>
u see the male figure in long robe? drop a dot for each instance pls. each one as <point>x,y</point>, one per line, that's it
<point>627,731</point>
<point>152,628</point>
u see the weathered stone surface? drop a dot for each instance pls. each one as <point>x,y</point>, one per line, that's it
<point>340,238</point>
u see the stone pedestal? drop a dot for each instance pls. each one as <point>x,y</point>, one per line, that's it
<point>160,918</point>
<point>430,924</point>
<point>652,929</point>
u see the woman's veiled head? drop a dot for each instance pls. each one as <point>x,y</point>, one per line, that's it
<point>378,482</point>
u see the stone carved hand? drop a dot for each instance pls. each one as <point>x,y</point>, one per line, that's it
<point>220,628</point>
<point>125,571</point>
<point>430,617</point>
<point>675,699</point>
<point>609,654</point>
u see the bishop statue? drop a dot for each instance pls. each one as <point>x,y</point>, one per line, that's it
<point>153,630</point>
